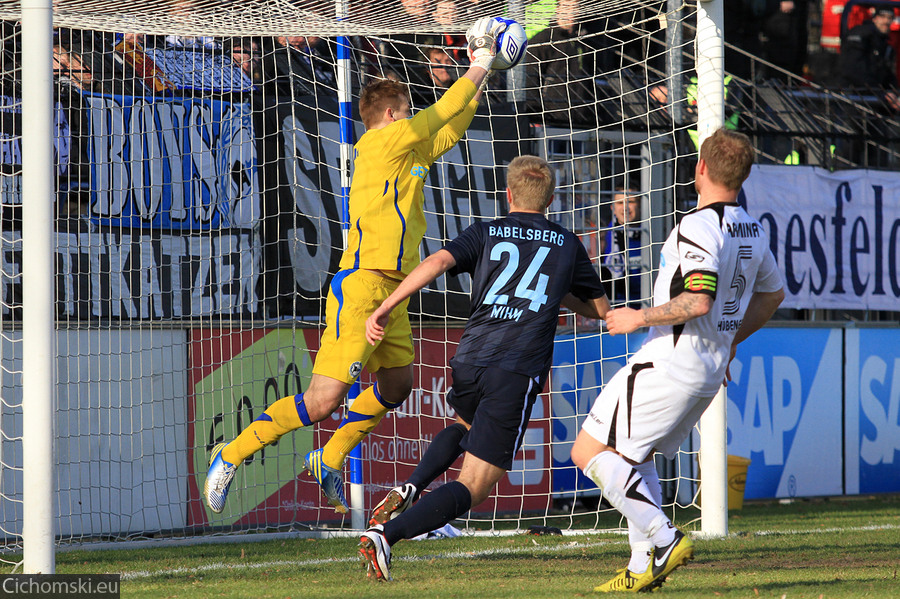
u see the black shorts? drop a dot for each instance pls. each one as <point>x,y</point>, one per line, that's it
<point>497,403</point>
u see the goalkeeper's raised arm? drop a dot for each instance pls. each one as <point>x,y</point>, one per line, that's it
<point>387,216</point>
<point>446,120</point>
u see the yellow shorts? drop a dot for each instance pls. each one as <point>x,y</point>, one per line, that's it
<point>344,351</point>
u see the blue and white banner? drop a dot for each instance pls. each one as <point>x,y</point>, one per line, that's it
<point>836,235</point>
<point>200,69</point>
<point>11,147</point>
<point>181,164</point>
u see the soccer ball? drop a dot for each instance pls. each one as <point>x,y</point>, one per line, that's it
<point>511,45</point>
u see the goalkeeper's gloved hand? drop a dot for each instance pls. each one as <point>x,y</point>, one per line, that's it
<point>478,28</point>
<point>482,38</point>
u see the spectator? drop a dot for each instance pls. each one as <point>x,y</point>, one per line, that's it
<point>561,66</point>
<point>247,54</point>
<point>403,50</point>
<point>620,249</point>
<point>867,59</point>
<point>441,67</point>
<point>313,54</point>
<point>824,64</point>
<point>832,15</point>
<point>415,9</point>
<point>447,16</point>
<point>830,37</point>
<point>868,63</point>
<point>784,38</point>
<point>436,75</point>
<point>374,56</point>
<point>68,68</point>
<point>299,65</point>
<point>743,21</point>
<point>82,61</point>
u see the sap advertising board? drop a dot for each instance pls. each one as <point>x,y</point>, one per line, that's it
<point>786,408</point>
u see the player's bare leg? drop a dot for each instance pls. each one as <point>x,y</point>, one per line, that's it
<point>323,396</point>
<point>395,383</point>
<point>479,477</point>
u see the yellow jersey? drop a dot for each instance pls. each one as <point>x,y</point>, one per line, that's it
<point>387,201</point>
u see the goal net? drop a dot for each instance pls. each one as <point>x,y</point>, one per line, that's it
<point>199,207</point>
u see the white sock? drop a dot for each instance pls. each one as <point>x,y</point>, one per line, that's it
<point>641,545</point>
<point>640,555</point>
<point>626,491</point>
<point>648,472</point>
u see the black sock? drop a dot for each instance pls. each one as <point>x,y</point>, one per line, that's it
<point>440,455</point>
<point>443,505</point>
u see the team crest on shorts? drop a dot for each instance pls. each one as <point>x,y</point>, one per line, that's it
<point>355,369</point>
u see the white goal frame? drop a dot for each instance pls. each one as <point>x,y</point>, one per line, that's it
<point>38,377</point>
<point>710,117</point>
<point>38,320</point>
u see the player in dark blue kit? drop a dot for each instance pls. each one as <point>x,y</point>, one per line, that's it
<point>523,268</point>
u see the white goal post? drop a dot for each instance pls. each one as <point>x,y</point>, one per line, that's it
<point>38,351</point>
<point>710,117</point>
<point>173,179</point>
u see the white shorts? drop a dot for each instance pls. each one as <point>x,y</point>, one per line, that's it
<point>640,411</point>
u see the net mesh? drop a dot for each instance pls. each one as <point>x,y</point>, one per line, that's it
<point>313,17</point>
<point>198,171</point>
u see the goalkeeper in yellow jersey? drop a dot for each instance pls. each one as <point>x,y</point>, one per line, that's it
<point>387,222</point>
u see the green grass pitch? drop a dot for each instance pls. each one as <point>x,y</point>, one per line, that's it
<point>817,549</point>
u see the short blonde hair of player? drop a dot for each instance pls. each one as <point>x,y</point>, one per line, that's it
<point>531,182</point>
<point>378,96</point>
<point>729,156</point>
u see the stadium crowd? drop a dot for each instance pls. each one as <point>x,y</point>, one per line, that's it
<point>847,43</point>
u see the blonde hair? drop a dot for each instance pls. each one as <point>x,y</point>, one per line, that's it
<point>378,96</point>
<point>729,157</point>
<point>531,182</point>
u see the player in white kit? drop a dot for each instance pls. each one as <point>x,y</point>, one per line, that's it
<point>717,284</point>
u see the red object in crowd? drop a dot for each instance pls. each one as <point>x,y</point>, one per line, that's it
<point>831,22</point>
<point>144,67</point>
<point>456,47</point>
<point>832,14</point>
